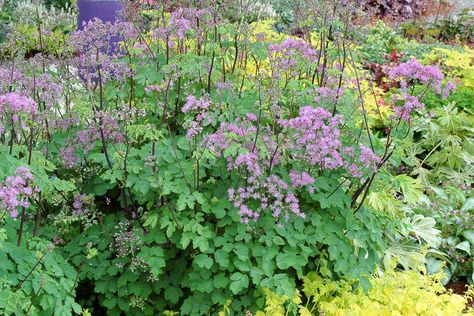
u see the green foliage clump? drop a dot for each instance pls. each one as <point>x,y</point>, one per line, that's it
<point>35,278</point>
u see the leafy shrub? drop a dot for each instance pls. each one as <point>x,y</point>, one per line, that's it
<point>443,154</point>
<point>454,213</point>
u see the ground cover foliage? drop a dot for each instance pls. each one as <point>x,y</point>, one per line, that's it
<point>201,159</point>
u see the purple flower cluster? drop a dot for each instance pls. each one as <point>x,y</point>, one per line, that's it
<point>9,78</point>
<point>250,161</point>
<point>182,21</point>
<point>16,190</point>
<point>368,158</point>
<point>311,142</point>
<point>327,94</point>
<point>410,103</point>
<point>284,57</point>
<point>82,204</point>
<point>14,105</point>
<point>151,88</point>
<point>257,152</point>
<point>449,88</point>
<point>367,161</point>
<point>253,154</point>
<point>271,194</point>
<point>47,90</point>
<point>176,27</point>
<point>65,123</point>
<point>413,70</point>
<point>300,179</point>
<point>200,111</point>
<point>314,138</point>
<point>86,139</point>
<point>179,24</point>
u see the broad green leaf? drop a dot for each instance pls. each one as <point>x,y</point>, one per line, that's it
<point>239,282</point>
<point>203,261</point>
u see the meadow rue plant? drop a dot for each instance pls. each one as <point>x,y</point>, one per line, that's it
<point>187,158</point>
<point>284,57</point>
<point>199,108</point>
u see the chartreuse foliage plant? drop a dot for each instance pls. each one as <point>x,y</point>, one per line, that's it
<point>183,159</point>
<point>408,292</point>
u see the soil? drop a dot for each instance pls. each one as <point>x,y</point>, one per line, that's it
<point>460,287</point>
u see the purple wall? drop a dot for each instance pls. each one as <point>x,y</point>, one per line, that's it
<point>106,10</point>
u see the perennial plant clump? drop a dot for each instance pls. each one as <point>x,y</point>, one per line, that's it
<point>194,159</point>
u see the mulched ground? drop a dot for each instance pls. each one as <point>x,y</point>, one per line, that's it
<point>460,288</point>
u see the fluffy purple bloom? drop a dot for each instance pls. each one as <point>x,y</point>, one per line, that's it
<point>8,77</point>
<point>250,161</point>
<point>290,46</point>
<point>88,137</point>
<point>410,103</point>
<point>15,104</point>
<point>16,190</point>
<point>413,70</point>
<point>271,194</point>
<point>300,179</point>
<point>176,28</point>
<point>194,104</point>
<point>368,158</point>
<point>82,204</point>
<point>251,117</point>
<point>449,88</point>
<point>47,90</point>
<point>179,24</point>
<point>354,171</point>
<point>327,94</point>
<point>285,56</point>
<point>315,137</point>
<point>199,110</point>
<point>151,88</point>
<point>98,48</point>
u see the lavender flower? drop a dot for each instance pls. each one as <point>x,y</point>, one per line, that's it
<point>16,190</point>
<point>300,179</point>
<point>368,158</point>
<point>199,108</point>
<point>285,57</point>
<point>15,104</point>
<point>82,204</point>
<point>413,70</point>
<point>315,138</point>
